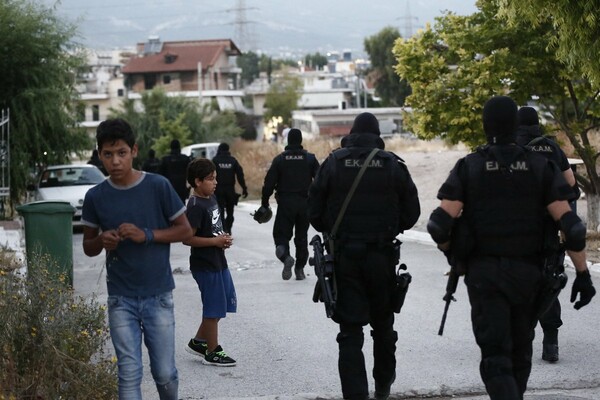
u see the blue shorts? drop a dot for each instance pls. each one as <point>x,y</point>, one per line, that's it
<point>217,293</point>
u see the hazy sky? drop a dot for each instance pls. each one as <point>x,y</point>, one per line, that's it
<point>272,26</point>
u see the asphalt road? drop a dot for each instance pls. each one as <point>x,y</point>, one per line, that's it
<point>285,346</point>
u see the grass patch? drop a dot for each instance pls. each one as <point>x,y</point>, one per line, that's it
<point>255,157</point>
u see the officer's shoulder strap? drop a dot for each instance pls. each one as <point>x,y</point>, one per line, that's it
<point>536,140</point>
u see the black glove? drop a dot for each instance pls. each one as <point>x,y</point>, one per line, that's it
<point>245,193</point>
<point>584,287</point>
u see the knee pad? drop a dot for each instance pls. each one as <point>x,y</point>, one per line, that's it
<point>386,336</point>
<point>350,335</point>
<point>491,367</point>
<point>574,231</point>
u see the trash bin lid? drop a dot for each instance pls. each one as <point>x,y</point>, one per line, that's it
<point>46,207</point>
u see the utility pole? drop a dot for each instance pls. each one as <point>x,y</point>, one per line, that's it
<point>244,36</point>
<point>408,19</point>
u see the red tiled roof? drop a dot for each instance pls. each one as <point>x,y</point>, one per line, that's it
<point>188,54</point>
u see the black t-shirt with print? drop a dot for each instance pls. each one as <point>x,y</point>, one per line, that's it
<point>205,219</point>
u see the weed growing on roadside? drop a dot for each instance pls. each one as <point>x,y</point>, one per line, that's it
<point>52,342</point>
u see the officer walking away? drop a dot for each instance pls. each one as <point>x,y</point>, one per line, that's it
<point>290,175</point>
<point>504,192</point>
<point>384,204</point>
<point>228,168</point>
<point>95,160</point>
<point>152,164</point>
<point>529,134</point>
<point>174,168</point>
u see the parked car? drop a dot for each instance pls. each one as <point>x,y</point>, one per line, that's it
<point>204,150</point>
<point>67,183</point>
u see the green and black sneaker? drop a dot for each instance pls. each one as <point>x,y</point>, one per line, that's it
<point>197,348</point>
<point>219,358</point>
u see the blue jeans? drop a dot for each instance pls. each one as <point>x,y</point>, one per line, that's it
<point>152,317</point>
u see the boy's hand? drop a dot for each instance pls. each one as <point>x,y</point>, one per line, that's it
<point>130,231</point>
<point>110,239</point>
<point>224,241</point>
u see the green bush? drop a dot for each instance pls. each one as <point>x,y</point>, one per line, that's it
<point>52,342</point>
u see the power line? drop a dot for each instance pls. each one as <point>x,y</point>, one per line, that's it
<point>408,22</point>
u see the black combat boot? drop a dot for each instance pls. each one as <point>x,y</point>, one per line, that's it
<point>550,352</point>
<point>283,255</point>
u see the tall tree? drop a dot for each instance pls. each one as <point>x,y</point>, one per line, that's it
<point>282,98</point>
<point>454,67</point>
<point>163,118</point>
<point>388,85</point>
<point>577,24</point>
<point>249,63</point>
<point>315,61</point>
<point>38,62</point>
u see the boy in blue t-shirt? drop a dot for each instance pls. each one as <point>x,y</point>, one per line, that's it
<point>208,263</point>
<point>135,216</point>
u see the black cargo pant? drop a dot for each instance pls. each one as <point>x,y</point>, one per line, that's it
<point>227,199</point>
<point>364,278</point>
<point>550,322</point>
<point>502,293</point>
<point>292,221</point>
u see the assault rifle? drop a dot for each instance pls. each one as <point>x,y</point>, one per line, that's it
<point>325,287</point>
<point>449,296</point>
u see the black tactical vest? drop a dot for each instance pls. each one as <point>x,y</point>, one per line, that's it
<point>294,172</point>
<point>504,203</point>
<point>372,214</point>
<point>225,165</point>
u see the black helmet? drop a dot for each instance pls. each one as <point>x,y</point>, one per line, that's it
<point>262,215</point>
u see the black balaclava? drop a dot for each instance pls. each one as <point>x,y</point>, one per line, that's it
<point>365,123</point>
<point>294,137</point>
<point>500,120</point>
<point>223,147</point>
<point>528,116</point>
<point>175,146</point>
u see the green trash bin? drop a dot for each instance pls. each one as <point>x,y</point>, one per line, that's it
<point>49,233</point>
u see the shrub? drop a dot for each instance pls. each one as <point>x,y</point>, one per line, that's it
<point>52,342</point>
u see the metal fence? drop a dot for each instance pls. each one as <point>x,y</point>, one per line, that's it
<point>4,159</point>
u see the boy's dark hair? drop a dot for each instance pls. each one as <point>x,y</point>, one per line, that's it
<point>199,168</point>
<point>111,130</point>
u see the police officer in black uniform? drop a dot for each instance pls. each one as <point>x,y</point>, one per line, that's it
<point>152,164</point>
<point>174,168</point>
<point>530,135</point>
<point>228,168</point>
<point>290,175</point>
<point>384,204</point>
<point>504,192</point>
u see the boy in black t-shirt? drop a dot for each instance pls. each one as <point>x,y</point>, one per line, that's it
<point>208,263</point>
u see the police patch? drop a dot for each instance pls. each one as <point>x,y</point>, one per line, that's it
<point>515,166</point>
<point>294,157</point>
<point>359,163</point>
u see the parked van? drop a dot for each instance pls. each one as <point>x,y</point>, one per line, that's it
<point>204,150</point>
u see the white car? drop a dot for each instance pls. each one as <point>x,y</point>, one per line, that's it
<point>67,183</point>
<point>204,150</point>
